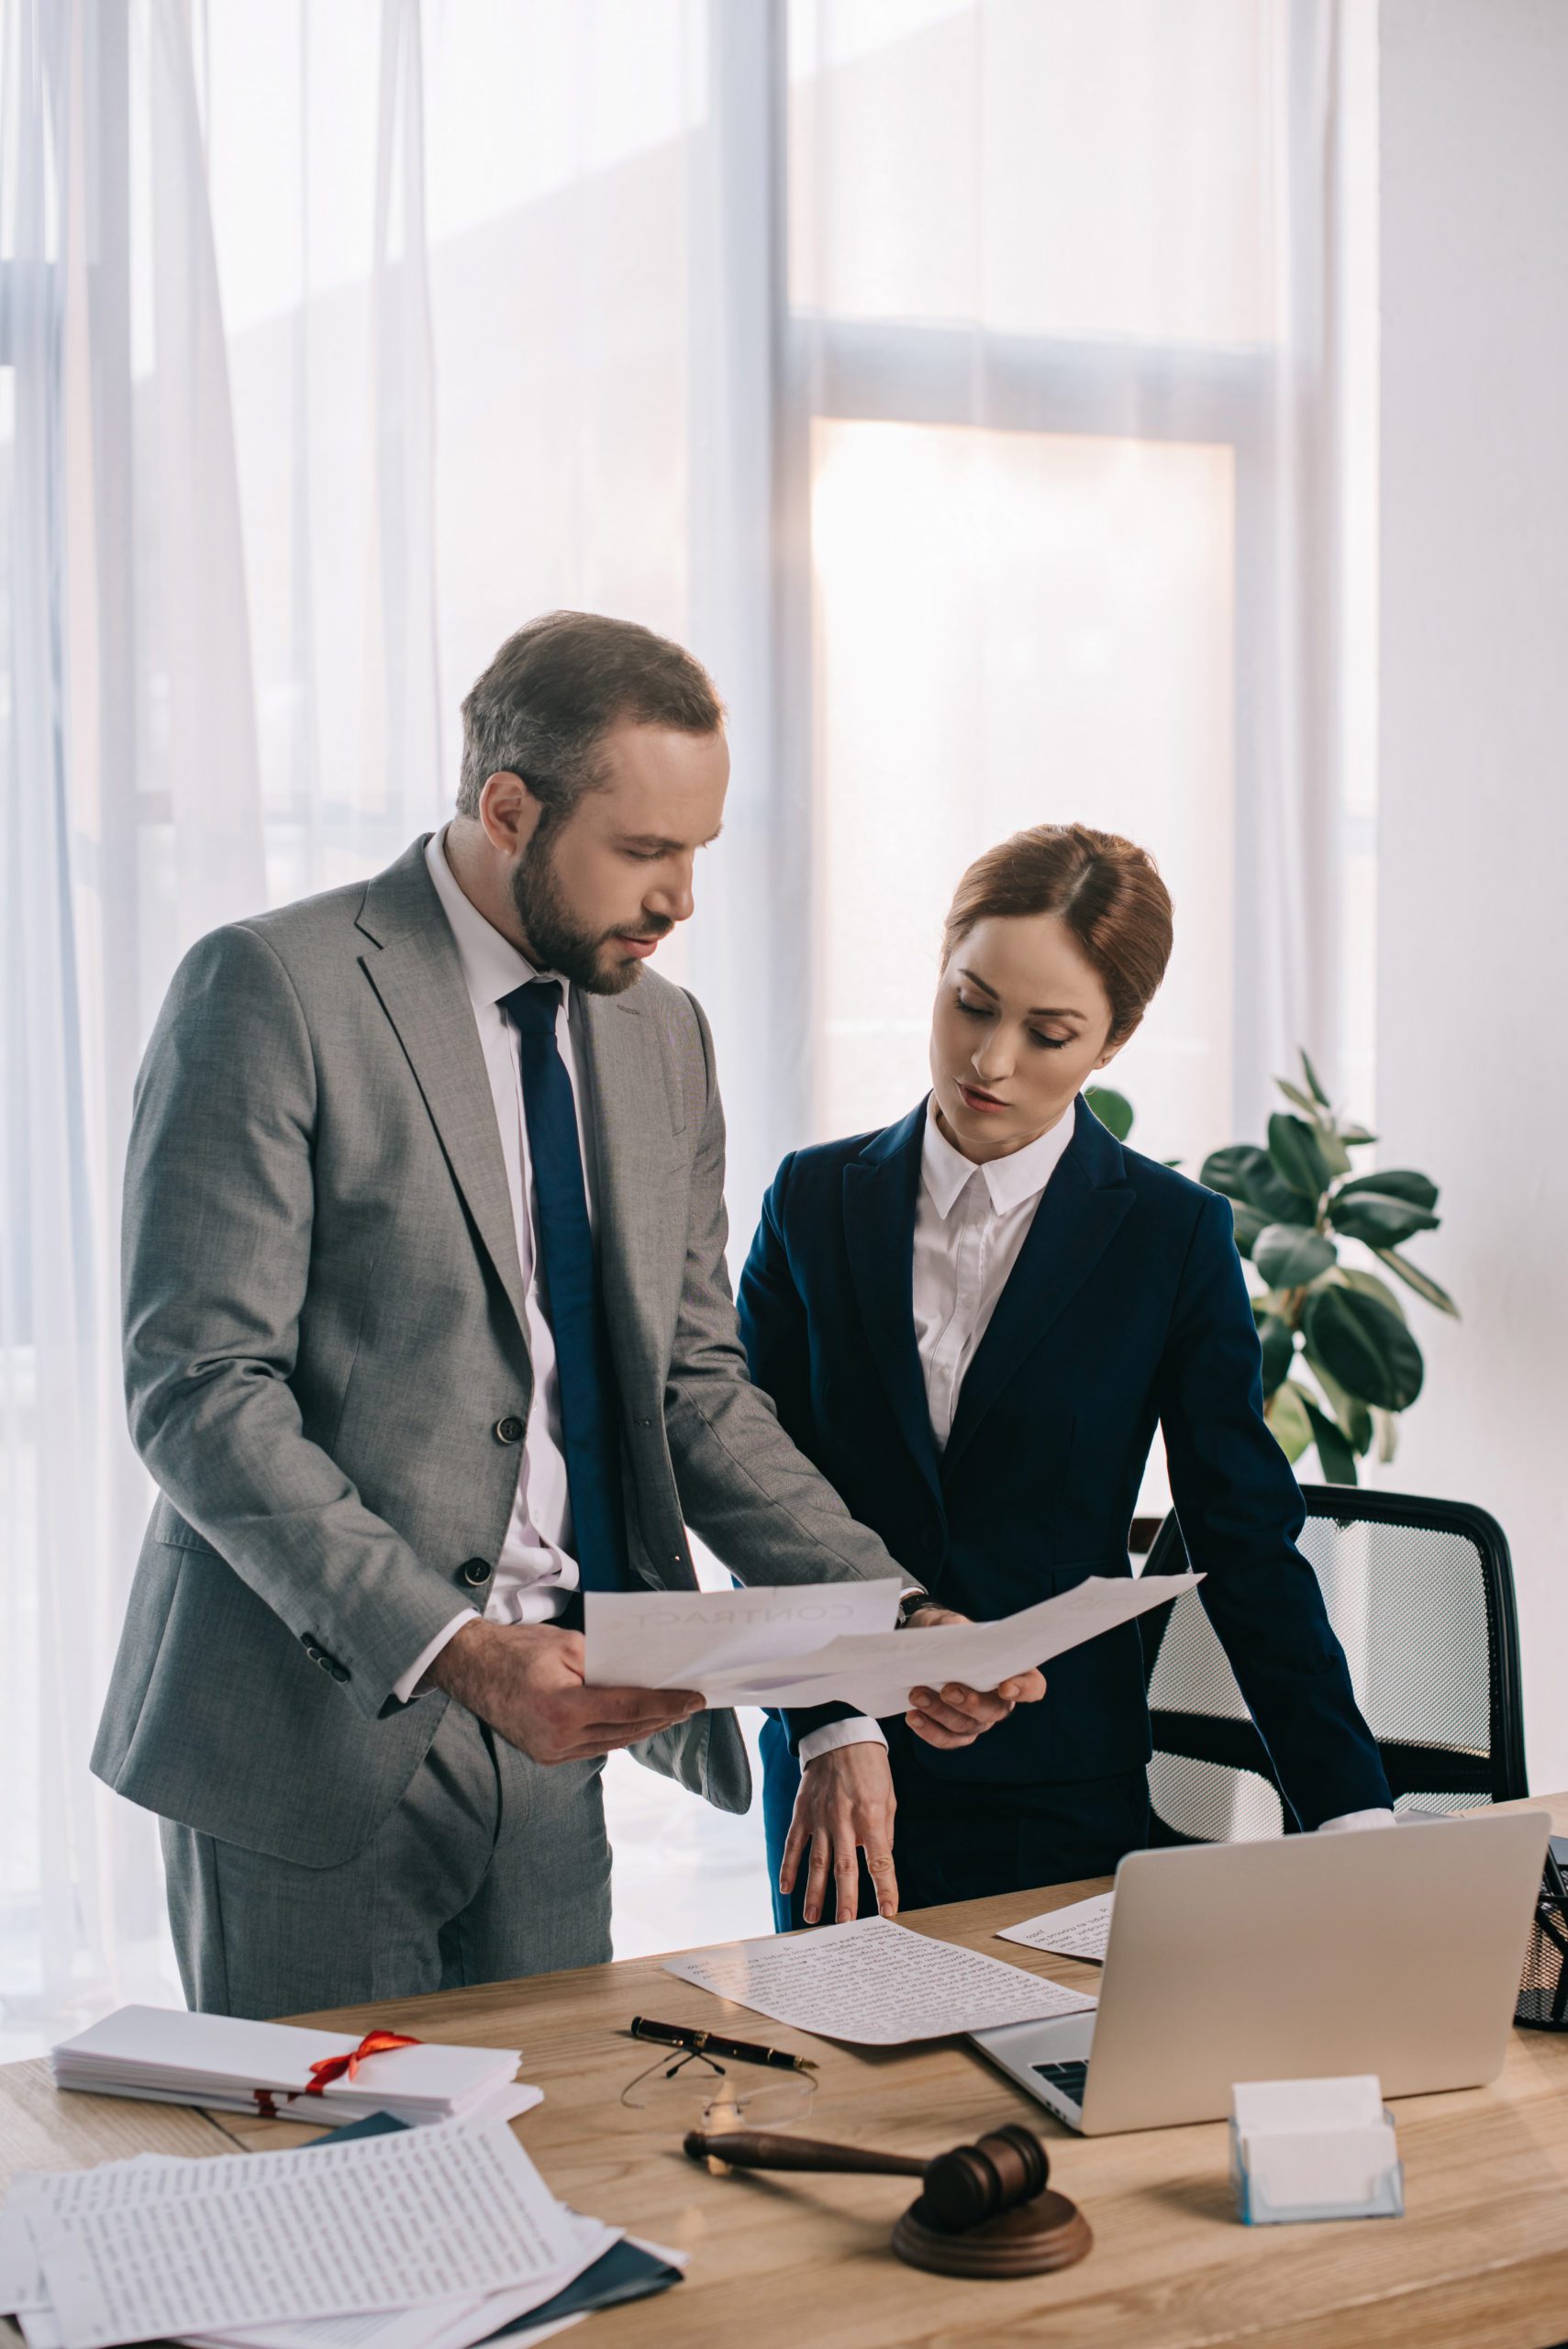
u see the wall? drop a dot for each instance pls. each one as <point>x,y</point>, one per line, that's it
<point>1472,944</point>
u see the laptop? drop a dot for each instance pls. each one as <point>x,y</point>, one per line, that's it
<point>1397,1951</point>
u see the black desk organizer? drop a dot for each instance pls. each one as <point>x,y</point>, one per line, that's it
<point>1543,1989</point>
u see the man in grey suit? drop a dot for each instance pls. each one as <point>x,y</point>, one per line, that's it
<point>428,1330</point>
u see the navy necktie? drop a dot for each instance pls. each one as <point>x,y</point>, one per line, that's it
<point>569,1281</point>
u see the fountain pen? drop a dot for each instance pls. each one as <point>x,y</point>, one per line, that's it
<point>709,2043</point>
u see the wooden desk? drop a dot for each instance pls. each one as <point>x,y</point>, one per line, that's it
<point>1480,2258</point>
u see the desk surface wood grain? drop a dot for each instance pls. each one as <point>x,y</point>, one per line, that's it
<point>1480,2257</point>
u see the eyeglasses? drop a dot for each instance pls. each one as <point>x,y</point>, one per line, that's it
<point>698,2089</point>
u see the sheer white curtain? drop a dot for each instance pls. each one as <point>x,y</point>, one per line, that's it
<point>953,375</point>
<point>335,341</point>
<point>131,822</point>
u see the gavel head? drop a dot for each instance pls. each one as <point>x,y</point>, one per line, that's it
<point>976,2182</point>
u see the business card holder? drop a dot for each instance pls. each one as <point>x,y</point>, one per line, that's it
<point>1314,2149</point>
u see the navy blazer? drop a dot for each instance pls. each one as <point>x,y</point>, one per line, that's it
<point>1126,1307</point>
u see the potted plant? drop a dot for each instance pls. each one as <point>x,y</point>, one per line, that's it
<point>1296,1205</point>
<point>1340,1362</point>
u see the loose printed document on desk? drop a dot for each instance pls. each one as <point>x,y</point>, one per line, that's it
<point>873,1671</point>
<point>138,2250</point>
<point>1081,1929</point>
<point>874,1983</point>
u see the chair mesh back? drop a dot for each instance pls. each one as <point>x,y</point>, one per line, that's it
<point>1420,1595</point>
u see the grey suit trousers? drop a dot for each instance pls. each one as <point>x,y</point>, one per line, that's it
<point>490,1866</point>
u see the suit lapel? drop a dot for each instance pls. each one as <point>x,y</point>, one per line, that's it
<point>418,979</point>
<point>1083,1204</point>
<point>641,1246</point>
<point>879,1190</point>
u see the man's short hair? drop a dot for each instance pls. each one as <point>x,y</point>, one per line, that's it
<point>553,691</point>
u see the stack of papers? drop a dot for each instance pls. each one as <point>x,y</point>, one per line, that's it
<point>821,1644</point>
<point>875,1982</point>
<point>239,2067</point>
<point>424,2239</point>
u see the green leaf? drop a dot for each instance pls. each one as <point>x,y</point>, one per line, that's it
<point>1337,1156</point>
<point>1292,1146</point>
<point>1365,1347</point>
<point>1395,1183</point>
<point>1243,1172</point>
<point>1335,1457</point>
<point>1356,1137</point>
<point>1369,1285</point>
<point>1293,1093</point>
<point>1286,1413</point>
<point>1278,1342</point>
<point>1422,1283</point>
<point>1249,1222</point>
<point>1114,1110</point>
<point>1352,1413</point>
<point>1310,1073</point>
<point>1288,1257</point>
<point>1377,1218</point>
<point>1230,1170</point>
<point>1387,1428</point>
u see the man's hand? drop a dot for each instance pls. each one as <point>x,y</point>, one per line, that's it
<point>845,1804</point>
<point>954,1715</point>
<point>525,1680</point>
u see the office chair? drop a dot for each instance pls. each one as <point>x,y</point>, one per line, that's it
<point>1422,1595</point>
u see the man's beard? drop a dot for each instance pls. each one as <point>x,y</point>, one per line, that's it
<point>557,941</point>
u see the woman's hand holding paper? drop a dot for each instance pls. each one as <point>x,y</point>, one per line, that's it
<point>953,1715</point>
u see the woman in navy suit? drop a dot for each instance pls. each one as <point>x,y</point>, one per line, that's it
<point>972,1323</point>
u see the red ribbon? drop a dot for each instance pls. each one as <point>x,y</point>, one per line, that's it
<point>332,2067</point>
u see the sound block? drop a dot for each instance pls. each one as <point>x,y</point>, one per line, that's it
<point>1050,2231</point>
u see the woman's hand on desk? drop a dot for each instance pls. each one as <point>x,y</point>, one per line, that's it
<point>953,1715</point>
<point>845,1805</point>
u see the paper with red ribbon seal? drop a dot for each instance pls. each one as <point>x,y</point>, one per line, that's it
<point>332,2067</point>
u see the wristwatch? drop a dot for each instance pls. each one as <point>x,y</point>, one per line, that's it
<point>909,1606</point>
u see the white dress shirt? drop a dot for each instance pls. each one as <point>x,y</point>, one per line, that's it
<point>970,1224</point>
<point>536,1568</point>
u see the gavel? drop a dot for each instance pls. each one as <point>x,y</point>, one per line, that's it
<point>983,2210</point>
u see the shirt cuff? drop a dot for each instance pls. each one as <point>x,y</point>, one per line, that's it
<point>403,1689</point>
<point>859,1729</point>
<point>1356,1819</point>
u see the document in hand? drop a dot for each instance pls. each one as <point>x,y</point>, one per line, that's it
<point>871,1670</point>
<point>658,1639</point>
<point>874,1983</point>
<point>241,2066</point>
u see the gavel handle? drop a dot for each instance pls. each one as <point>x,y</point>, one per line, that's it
<point>762,2149</point>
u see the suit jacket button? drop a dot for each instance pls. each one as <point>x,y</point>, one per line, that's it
<point>508,1431</point>
<point>313,1651</point>
<point>324,1661</point>
<point>339,1672</point>
<point>473,1571</point>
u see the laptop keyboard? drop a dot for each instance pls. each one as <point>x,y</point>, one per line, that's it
<point>1069,2078</point>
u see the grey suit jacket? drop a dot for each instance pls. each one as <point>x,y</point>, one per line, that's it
<point>324,1329</point>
